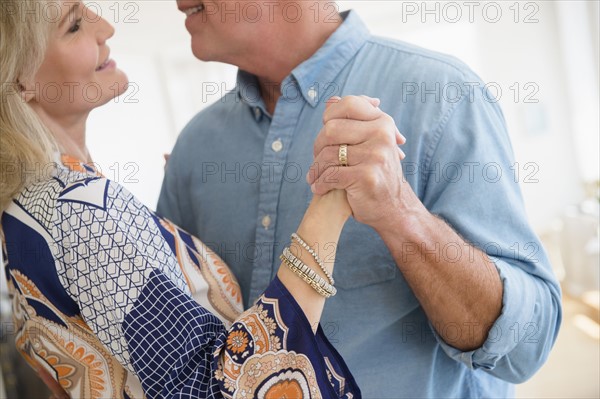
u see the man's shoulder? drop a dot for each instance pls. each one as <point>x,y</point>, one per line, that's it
<point>414,62</point>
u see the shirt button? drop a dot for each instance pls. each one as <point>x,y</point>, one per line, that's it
<point>266,221</point>
<point>277,145</point>
<point>312,93</point>
<point>257,112</point>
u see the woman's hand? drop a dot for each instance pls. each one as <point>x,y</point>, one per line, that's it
<point>332,207</point>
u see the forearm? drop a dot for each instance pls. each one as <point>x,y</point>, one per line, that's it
<point>320,228</point>
<point>456,284</point>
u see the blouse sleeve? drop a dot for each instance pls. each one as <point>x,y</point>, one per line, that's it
<point>272,352</point>
<point>114,262</point>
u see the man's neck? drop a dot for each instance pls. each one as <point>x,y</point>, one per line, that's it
<point>285,55</point>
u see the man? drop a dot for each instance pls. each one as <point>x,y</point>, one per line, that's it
<point>443,288</point>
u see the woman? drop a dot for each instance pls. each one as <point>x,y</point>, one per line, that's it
<point>110,300</point>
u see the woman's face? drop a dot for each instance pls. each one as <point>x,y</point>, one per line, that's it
<point>77,74</point>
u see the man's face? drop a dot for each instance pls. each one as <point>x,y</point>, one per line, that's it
<point>225,30</point>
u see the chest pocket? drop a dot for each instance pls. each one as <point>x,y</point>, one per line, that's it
<point>362,258</point>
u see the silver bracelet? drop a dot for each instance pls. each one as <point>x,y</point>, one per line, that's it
<point>306,278</point>
<point>315,257</point>
<point>310,273</point>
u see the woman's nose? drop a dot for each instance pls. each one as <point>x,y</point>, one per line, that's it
<point>105,30</point>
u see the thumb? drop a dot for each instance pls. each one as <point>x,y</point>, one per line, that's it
<point>332,100</point>
<point>373,101</point>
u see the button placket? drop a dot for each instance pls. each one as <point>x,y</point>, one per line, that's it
<point>280,131</point>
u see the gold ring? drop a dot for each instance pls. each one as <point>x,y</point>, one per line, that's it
<point>343,155</point>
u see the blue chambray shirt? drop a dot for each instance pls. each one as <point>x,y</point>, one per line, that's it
<point>236,179</point>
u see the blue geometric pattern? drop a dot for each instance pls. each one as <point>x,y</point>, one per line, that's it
<point>104,257</point>
<point>38,199</point>
<point>171,340</point>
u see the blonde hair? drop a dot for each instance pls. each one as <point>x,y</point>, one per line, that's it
<point>27,146</point>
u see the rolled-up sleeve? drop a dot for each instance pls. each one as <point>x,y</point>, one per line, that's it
<point>473,184</point>
<point>521,338</point>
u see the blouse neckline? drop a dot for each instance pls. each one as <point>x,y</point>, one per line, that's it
<point>76,165</point>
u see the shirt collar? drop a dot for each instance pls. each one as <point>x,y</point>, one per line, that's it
<point>248,91</point>
<point>315,74</point>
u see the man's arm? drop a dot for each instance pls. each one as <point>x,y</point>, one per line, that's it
<point>456,284</point>
<point>485,294</point>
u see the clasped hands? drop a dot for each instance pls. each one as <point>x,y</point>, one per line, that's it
<point>373,179</point>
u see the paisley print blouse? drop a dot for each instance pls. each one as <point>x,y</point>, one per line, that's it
<point>112,301</point>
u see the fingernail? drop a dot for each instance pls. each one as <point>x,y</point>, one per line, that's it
<point>313,188</point>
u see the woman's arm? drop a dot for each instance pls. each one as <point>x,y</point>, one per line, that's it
<point>320,229</point>
<point>276,348</point>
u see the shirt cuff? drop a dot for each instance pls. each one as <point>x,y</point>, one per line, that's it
<point>518,304</point>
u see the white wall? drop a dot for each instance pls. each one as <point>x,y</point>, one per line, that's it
<point>172,86</point>
<point>128,137</point>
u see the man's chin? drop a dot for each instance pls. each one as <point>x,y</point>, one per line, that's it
<point>201,53</point>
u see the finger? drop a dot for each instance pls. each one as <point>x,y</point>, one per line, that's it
<point>336,178</point>
<point>400,139</point>
<point>351,107</point>
<point>354,132</point>
<point>401,153</point>
<point>332,100</point>
<point>343,131</point>
<point>329,158</point>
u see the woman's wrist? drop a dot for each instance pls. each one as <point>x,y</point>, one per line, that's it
<point>331,208</point>
<point>320,229</point>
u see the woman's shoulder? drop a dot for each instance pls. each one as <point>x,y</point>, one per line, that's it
<point>36,203</point>
<point>70,195</point>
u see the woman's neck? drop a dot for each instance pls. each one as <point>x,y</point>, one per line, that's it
<point>69,133</point>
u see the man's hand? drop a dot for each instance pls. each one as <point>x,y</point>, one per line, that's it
<point>373,178</point>
<point>381,198</point>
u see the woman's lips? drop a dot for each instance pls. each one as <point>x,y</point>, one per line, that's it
<point>108,64</point>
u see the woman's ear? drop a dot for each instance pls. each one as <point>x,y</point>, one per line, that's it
<point>26,90</point>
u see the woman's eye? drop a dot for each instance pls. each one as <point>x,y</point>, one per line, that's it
<point>75,26</point>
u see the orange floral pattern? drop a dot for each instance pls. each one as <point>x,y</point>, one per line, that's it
<point>255,358</point>
<point>284,389</point>
<point>237,341</point>
<point>70,358</point>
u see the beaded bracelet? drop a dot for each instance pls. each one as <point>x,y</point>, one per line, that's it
<point>315,257</point>
<point>324,291</point>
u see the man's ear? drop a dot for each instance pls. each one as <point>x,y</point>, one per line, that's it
<point>26,90</point>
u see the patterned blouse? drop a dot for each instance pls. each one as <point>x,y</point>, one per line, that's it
<point>112,301</point>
